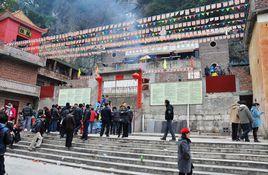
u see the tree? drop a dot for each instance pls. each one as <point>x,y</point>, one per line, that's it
<point>10,5</point>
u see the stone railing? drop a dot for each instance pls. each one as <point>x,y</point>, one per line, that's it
<point>53,75</point>
<point>20,88</point>
<point>158,65</point>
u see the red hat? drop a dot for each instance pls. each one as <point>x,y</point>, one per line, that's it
<point>185,130</point>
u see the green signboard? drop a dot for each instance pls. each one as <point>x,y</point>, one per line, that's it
<point>75,95</point>
<point>179,93</point>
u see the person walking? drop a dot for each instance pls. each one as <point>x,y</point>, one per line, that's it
<point>86,119</point>
<point>27,113</point>
<point>69,126</point>
<point>185,165</point>
<point>235,121</point>
<point>5,139</point>
<point>38,128</point>
<point>245,120</point>
<point>106,117</point>
<point>124,120</point>
<point>256,114</point>
<point>169,115</point>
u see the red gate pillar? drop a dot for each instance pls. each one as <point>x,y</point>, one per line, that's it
<point>138,76</point>
<point>99,80</point>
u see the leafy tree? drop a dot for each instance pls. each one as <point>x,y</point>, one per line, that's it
<point>10,5</point>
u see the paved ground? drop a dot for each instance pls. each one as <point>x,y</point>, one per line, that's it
<point>16,166</point>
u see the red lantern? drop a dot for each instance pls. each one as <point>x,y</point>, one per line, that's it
<point>136,76</point>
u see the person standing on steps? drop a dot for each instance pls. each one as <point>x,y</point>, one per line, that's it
<point>245,120</point>
<point>124,120</point>
<point>106,118</point>
<point>169,115</point>
<point>38,128</point>
<point>69,126</point>
<point>256,114</point>
<point>27,113</point>
<point>78,114</point>
<point>235,121</point>
<point>86,120</point>
<point>185,165</point>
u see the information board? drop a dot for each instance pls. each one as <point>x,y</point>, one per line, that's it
<point>74,95</point>
<point>179,93</point>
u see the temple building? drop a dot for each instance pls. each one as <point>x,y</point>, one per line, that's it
<point>188,57</point>
<point>26,77</point>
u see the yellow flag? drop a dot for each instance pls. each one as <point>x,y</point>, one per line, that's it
<point>165,64</point>
<point>79,73</point>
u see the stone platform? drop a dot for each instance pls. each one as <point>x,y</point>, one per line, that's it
<point>211,156</point>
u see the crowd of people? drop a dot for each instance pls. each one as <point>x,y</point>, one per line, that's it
<point>245,120</point>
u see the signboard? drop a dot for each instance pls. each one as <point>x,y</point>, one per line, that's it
<point>25,32</point>
<point>120,86</point>
<point>179,93</point>
<point>74,95</point>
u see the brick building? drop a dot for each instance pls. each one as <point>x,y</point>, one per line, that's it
<point>257,42</point>
<point>18,76</point>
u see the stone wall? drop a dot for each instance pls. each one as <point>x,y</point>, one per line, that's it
<point>242,73</point>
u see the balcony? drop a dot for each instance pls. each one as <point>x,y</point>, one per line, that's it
<point>19,88</point>
<point>53,75</point>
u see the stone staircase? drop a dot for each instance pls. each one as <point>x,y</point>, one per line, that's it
<point>147,155</point>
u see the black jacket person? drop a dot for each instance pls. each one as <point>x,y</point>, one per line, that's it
<point>106,118</point>
<point>169,115</point>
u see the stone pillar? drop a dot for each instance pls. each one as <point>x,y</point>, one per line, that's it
<point>70,72</point>
<point>54,66</point>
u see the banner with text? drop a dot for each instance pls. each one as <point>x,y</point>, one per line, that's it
<point>75,95</point>
<point>179,93</point>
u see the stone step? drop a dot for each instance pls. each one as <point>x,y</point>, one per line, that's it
<point>140,168</point>
<point>163,150</point>
<point>157,155</point>
<point>162,144</point>
<point>149,162</point>
<point>97,168</point>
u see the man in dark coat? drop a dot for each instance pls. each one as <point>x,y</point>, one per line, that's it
<point>169,115</point>
<point>27,113</point>
<point>106,117</point>
<point>78,114</point>
<point>185,165</point>
<point>115,122</point>
<point>55,117</point>
<point>64,112</point>
<point>5,139</point>
<point>69,125</point>
<point>86,119</point>
<point>124,120</point>
<point>130,116</point>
